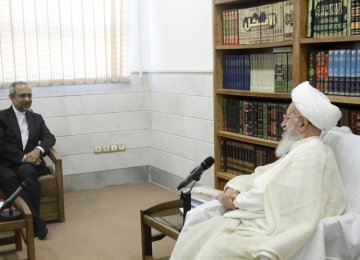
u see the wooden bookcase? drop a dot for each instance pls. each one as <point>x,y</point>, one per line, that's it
<point>300,47</point>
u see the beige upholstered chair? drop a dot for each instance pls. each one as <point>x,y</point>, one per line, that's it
<point>52,191</point>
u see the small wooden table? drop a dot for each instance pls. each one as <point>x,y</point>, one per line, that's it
<point>166,218</point>
<point>22,227</point>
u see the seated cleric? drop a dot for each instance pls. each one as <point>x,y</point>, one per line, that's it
<point>271,213</point>
<point>24,141</point>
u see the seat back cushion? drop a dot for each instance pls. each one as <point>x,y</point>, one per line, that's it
<point>346,147</point>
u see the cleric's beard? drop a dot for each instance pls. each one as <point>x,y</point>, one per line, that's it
<point>290,136</point>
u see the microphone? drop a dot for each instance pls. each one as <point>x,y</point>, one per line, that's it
<point>23,186</point>
<point>196,173</point>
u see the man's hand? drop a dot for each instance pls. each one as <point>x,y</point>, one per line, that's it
<point>227,198</point>
<point>33,157</point>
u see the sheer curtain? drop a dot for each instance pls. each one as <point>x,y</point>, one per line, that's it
<point>56,42</point>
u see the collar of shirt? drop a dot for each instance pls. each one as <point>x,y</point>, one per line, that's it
<point>21,118</point>
<point>19,115</point>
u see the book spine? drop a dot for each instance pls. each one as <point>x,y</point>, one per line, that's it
<point>318,70</point>
<point>279,72</point>
<point>352,17</point>
<point>243,27</point>
<point>337,10</point>
<point>347,72</point>
<point>288,20</point>
<point>331,31</point>
<point>336,72</point>
<point>357,92</point>
<point>265,120</point>
<point>352,121</point>
<point>357,17</point>
<point>342,65</point>
<point>330,72</point>
<point>326,73</point>
<point>325,19</point>
<point>348,14</point>
<point>279,24</point>
<point>311,68</point>
<point>353,73</point>
<point>289,72</point>
<point>316,19</point>
<point>310,13</point>
<point>236,26</point>
<point>267,32</point>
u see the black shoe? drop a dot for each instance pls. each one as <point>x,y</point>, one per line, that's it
<point>40,228</point>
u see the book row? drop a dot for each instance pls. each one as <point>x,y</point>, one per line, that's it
<point>335,72</point>
<point>350,118</point>
<point>333,18</point>
<point>254,118</point>
<point>242,158</point>
<point>264,72</point>
<point>265,23</point>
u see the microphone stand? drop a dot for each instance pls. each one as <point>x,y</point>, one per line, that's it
<point>10,214</point>
<point>186,198</point>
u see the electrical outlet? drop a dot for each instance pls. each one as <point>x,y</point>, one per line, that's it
<point>113,148</point>
<point>106,148</point>
<point>121,147</point>
<point>97,149</point>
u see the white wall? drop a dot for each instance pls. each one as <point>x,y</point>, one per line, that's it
<point>179,61</point>
<point>176,36</point>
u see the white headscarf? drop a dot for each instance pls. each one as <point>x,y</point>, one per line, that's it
<point>315,106</point>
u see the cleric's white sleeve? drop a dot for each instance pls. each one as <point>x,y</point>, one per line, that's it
<point>201,213</point>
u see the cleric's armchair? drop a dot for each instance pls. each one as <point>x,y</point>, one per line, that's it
<point>339,237</point>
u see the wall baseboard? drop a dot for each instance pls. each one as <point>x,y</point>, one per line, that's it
<point>96,180</point>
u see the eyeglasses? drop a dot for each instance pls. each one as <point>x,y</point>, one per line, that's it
<point>286,117</point>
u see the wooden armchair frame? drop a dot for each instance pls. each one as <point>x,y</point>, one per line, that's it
<point>150,218</point>
<point>22,228</point>
<point>57,172</point>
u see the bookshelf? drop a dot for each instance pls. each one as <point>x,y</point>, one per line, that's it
<point>301,47</point>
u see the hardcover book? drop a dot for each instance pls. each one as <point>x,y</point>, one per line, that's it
<point>267,22</point>
<point>288,18</point>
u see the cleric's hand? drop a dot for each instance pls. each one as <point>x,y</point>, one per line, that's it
<point>227,198</point>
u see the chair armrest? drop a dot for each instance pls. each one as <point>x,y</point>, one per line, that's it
<point>165,209</point>
<point>58,173</point>
<point>57,161</point>
<point>22,206</point>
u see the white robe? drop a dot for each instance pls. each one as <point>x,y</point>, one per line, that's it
<point>279,208</point>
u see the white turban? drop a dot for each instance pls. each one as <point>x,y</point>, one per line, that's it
<point>315,106</point>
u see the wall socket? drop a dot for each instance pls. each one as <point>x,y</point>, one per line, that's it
<point>109,148</point>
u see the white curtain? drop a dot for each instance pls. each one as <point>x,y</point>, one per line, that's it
<point>55,42</point>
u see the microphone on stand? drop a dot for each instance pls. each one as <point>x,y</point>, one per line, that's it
<point>11,213</point>
<point>196,173</point>
<point>193,176</point>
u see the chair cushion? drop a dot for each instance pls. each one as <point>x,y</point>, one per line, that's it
<point>346,147</point>
<point>48,185</point>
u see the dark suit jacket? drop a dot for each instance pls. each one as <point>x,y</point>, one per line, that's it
<point>11,149</point>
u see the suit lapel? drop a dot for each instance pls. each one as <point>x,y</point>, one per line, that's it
<point>30,122</point>
<point>13,123</point>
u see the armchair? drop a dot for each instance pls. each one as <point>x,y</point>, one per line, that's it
<point>52,191</point>
<point>338,237</point>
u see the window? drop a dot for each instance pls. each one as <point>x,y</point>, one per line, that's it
<point>55,42</point>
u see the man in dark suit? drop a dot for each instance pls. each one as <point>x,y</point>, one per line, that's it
<point>24,141</point>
